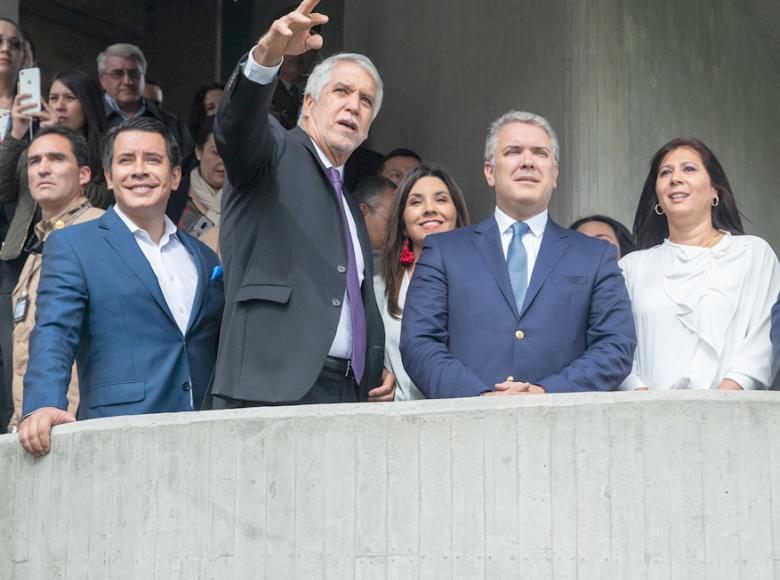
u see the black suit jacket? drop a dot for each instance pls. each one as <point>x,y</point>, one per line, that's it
<point>284,252</point>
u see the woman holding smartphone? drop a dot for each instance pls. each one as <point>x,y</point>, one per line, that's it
<point>11,54</point>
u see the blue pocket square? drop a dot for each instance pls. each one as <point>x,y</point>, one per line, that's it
<point>217,273</point>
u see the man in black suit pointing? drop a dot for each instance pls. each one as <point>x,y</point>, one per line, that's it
<point>301,323</point>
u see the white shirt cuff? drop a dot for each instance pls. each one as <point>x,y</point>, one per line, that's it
<point>257,73</point>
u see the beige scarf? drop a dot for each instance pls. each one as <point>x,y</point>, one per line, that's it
<point>206,195</point>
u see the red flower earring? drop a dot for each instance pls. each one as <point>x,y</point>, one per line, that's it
<point>407,255</point>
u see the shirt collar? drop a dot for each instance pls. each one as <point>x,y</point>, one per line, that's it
<point>114,106</point>
<point>325,161</point>
<point>536,223</point>
<point>168,234</point>
<point>62,219</point>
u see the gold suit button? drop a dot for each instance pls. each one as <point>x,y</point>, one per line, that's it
<point>59,224</point>
<point>519,335</point>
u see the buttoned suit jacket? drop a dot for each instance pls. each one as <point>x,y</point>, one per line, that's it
<point>99,302</point>
<point>462,332</point>
<point>283,245</point>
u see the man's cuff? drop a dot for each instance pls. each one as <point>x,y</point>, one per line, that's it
<point>257,73</point>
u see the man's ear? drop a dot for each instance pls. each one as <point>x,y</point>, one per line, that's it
<point>175,177</point>
<point>107,175</point>
<point>364,208</point>
<point>85,174</point>
<point>489,170</point>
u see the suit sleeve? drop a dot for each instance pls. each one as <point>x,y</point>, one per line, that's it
<point>610,339</point>
<point>424,333</point>
<point>243,131</point>
<point>60,312</point>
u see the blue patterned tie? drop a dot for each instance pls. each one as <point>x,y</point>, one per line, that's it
<point>356,310</point>
<point>517,263</point>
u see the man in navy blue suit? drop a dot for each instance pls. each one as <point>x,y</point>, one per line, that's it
<point>517,304</point>
<point>134,301</point>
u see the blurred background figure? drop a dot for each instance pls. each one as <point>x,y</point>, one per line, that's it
<point>374,195</point>
<point>701,291</point>
<point>428,202</point>
<point>122,74</point>
<point>206,181</point>
<point>607,229</point>
<point>204,105</point>
<point>11,58</point>
<point>398,163</point>
<point>153,92</point>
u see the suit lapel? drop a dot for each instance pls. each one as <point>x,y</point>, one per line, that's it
<point>487,240</point>
<point>357,217</point>
<point>122,241</point>
<point>554,244</point>
<point>203,276</point>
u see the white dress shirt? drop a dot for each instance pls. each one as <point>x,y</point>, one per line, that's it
<point>172,264</point>
<point>702,314</point>
<point>342,343</point>
<point>532,239</point>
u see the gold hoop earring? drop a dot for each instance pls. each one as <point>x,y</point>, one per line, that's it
<point>658,209</point>
<point>716,201</point>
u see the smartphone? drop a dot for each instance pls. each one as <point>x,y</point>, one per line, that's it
<point>30,83</point>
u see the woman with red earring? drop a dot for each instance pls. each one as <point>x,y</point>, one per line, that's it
<point>428,201</point>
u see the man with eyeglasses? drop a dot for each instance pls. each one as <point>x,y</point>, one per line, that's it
<point>122,70</point>
<point>374,196</point>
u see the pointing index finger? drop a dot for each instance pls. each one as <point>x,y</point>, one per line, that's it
<point>307,6</point>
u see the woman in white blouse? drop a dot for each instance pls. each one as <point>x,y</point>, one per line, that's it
<point>701,291</point>
<point>427,201</point>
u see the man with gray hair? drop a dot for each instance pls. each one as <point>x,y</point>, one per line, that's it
<point>301,323</point>
<point>122,72</point>
<point>517,304</point>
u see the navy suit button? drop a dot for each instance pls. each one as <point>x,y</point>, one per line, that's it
<point>341,268</point>
<point>185,386</point>
<point>335,302</point>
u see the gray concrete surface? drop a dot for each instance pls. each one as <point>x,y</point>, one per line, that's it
<point>594,486</point>
<point>616,78</point>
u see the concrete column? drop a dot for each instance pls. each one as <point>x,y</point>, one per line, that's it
<point>10,9</point>
<point>616,79</point>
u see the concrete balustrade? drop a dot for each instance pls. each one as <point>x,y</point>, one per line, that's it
<point>594,486</point>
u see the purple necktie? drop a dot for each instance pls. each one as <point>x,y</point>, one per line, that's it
<point>356,310</point>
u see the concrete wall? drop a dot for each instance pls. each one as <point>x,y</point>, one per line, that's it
<point>616,78</point>
<point>10,9</point>
<point>612,485</point>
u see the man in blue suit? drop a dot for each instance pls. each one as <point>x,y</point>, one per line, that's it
<point>517,304</point>
<point>134,301</point>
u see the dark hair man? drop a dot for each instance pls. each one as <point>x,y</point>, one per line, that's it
<point>398,163</point>
<point>135,302</point>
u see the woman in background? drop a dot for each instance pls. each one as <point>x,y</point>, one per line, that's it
<point>201,215</point>
<point>428,201</point>
<point>608,229</point>
<point>701,291</point>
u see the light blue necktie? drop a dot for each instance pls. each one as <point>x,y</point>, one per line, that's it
<point>517,263</point>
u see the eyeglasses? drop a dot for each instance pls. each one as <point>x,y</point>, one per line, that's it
<point>119,73</point>
<point>13,42</point>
